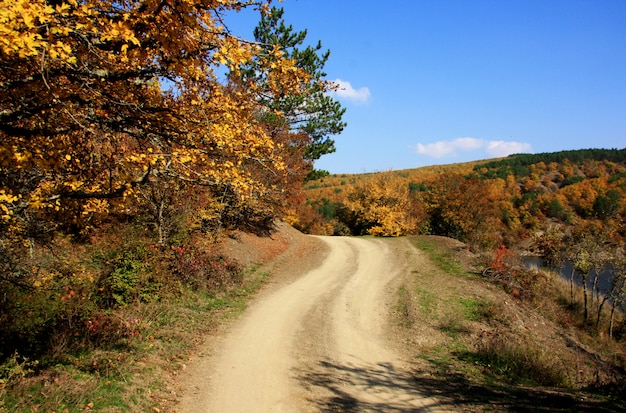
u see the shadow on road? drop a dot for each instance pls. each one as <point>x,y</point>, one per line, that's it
<point>351,388</point>
<point>383,388</point>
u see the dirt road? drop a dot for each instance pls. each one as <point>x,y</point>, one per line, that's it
<point>318,343</point>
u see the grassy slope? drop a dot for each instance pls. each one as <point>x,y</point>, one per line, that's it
<point>137,376</point>
<point>478,349</point>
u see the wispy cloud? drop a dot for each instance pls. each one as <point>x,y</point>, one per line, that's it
<point>346,91</point>
<point>495,149</point>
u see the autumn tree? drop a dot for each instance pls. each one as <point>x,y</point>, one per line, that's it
<point>467,209</point>
<point>103,100</point>
<point>586,248</point>
<point>607,205</point>
<point>617,291</point>
<point>314,111</point>
<point>582,196</point>
<point>550,244</point>
<point>381,206</point>
<point>113,112</point>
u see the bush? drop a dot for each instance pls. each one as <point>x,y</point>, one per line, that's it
<point>130,280</point>
<point>507,271</point>
<point>201,270</point>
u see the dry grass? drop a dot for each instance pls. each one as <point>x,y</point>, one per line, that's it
<point>465,331</point>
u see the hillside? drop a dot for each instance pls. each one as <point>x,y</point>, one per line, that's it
<point>514,198</point>
<point>446,320</point>
<point>333,187</point>
<point>567,207</point>
<point>147,153</point>
<point>481,347</point>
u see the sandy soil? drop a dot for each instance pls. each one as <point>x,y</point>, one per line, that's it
<point>314,340</point>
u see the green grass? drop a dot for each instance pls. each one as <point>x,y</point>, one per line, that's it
<point>517,362</point>
<point>441,257</point>
<point>476,309</point>
<point>426,301</point>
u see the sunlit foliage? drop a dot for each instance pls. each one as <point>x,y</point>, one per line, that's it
<point>502,201</point>
<point>100,98</point>
<point>381,206</point>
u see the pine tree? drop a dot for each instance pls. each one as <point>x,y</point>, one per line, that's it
<point>314,111</point>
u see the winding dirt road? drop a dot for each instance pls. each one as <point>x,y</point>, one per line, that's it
<point>319,343</point>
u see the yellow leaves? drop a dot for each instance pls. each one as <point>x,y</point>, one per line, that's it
<point>93,206</point>
<point>204,132</point>
<point>6,204</point>
<point>232,52</point>
<point>61,31</point>
<point>7,197</point>
<point>29,28</point>
<point>63,9</point>
<point>221,56</point>
<point>382,204</point>
<point>61,51</point>
<point>284,77</point>
<point>24,14</point>
<point>136,158</point>
<point>21,158</point>
<point>44,278</point>
<point>118,31</point>
<point>74,185</point>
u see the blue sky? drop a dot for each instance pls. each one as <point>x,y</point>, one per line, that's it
<point>429,82</point>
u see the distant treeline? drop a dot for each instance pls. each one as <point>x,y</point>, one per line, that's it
<point>518,164</point>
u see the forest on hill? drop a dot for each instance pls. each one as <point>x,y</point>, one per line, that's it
<point>485,204</point>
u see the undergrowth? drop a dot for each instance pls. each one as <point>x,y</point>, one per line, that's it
<point>106,342</point>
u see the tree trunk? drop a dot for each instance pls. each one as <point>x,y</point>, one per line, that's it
<point>600,306</point>
<point>585,298</point>
<point>160,223</point>
<point>571,288</point>
<point>595,290</point>
<point>611,320</point>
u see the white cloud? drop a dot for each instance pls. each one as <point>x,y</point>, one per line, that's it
<point>347,92</point>
<point>493,149</point>
<point>445,148</point>
<point>499,149</point>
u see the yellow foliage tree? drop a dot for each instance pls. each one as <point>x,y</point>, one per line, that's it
<point>99,98</point>
<point>581,196</point>
<point>382,205</point>
<point>120,111</point>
